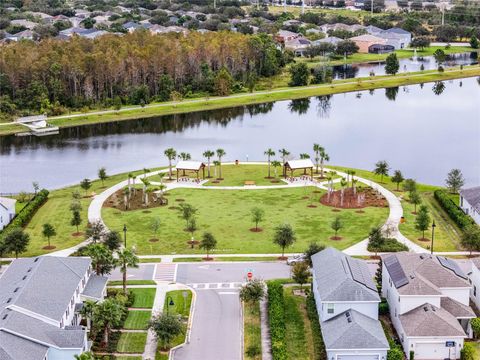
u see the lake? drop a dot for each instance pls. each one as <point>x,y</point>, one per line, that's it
<point>423,130</point>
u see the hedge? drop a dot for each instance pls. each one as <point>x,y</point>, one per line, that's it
<point>468,352</point>
<point>455,213</point>
<point>318,344</point>
<point>26,214</point>
<point>389,245</point>
<point>276,320</point>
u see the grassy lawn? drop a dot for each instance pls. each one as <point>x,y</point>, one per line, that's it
<point>252,338</point>
<point>298,330</point>
<point>132,343</point>
<point>132,282</point>
<point>160,355</point>
<point>143,297</point>
<point>137,320</point>
<point>226,213</point>
<point>228,258</point>
<point>150,260</point>
<point>181,304</point>
<point>56,212</point>
<point>236,175</point>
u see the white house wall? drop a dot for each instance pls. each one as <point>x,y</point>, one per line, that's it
<point>475,291</point>
<point>469,210</point>
<point>412,343</point>
<point>462,295</point>
<point>369,309</point>
<point>62,354</point>
<point>334,354</point>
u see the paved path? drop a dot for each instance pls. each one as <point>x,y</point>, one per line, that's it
<point>265,331</point>
<point>151,345</point>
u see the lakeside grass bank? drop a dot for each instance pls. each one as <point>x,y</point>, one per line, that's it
<point>242,99</point>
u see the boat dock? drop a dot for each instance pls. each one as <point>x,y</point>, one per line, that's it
<point>37,125</point>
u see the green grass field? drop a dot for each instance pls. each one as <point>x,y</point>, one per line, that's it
<point>181,305</point>
<point>251,330</point>
<point>137,320</point>
<point>132,342</point>
<point>228,258</point>
<point>132,282</point>
<point>236,175</point>
<point>226,213</point>
<point>144,297</point>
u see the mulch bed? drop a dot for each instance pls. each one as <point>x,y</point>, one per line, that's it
<point>316,191</point>
<point>305,197</point>
<point>275,181</point>
<point>336,238</point>
<point>207,259</point>
<point>282,258</point>
<point>311,206</point>
<point>179,200</point>
<point>363,197</point>
<point>215,182</point>
<point>172,208</point>
<point>153,240</point>
<point>116,201</point>
<point>256,229</point>
<point>146,211</point>
<point>424,239</point>
<point>51,247</point>
<point>336,210</point>
<point>268,177</point>
<point>77,234</point>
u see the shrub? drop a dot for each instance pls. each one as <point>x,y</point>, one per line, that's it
<point>276,319</point>
<point>389,245</point>
<point>253,350</point>
<point>455,213</point>
<point>468,352</point>
<point>395,354</point>
<point>476,327</point>
<point>383,308</point>
<point>26,214</point>
<point>318,344</point>
<point>412,355</point>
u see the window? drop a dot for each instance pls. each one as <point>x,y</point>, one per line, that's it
<point>474,291</point>
<point>399,299</point>
<point>330,308</point>
<point>395,312</point>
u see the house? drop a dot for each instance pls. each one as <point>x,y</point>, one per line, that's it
<point>7,211</point>
<point>365,41</point>
<point>284,35</point>
<point>22,35</point>
<point>428,297</point>
<point>39,307</point>
<point>396,37</point>
<point>131,26</point>
<point>299,46</point>
<point>475,281</point>
<point>373,30</point>
<point>470,202</point>
<point>347,303</point>
<point>24,23</point>
<point>329,40</point>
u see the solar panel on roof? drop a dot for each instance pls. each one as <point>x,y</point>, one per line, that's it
<point>360,273</point>
<point>451,265</point>
<point>396,272</point>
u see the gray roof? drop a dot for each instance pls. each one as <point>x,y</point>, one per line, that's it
<point>429,320</point>
<point>95,286</point>
<point>423,274</point>
<point>339,277</point>
<point>472,195</point>
<point>398,31</point>
<point>43,285</point>
<point>14,347</point>
<point>476,262</point>
<point>353,330</point>
<point>456,308</point>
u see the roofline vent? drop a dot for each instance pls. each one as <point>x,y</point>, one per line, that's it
<point>4,316</point>
<point>425,308</point>
<point>16,289</point>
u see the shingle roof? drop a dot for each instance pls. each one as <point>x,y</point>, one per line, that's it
<point>398,31</point>
<point>476,262</point>
<point>14,347</point>
<point>456,308</point>
<point>425,274</point>
<point>472,195</point>
<point>366,37</point>
<point>43,285</point>
<point>339,277</point>
<point>95,286</point>
<point>429,320</point>
<point>189,165</point>
<point>353,330</point>
<point>300,164</point>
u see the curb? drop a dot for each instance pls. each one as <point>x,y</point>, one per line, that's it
<point>171,353</point>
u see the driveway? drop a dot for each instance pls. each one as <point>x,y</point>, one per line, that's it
<point>217,330</point>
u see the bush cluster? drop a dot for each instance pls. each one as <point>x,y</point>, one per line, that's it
<point>388,245</point>
<point>276,319</point>
<point>383,308</point>
<point>318,344</point>
<point>26,214</point>
<point>468,352</point>
<point>455,213</point>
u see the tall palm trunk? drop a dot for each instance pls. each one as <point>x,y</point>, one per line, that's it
<point>124,275</point>
<point>170,168</point>
<point>208,167</point>
<point>269,166</point>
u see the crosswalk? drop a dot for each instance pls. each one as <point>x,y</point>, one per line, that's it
<point>165,272</point>
<point>216,286</point>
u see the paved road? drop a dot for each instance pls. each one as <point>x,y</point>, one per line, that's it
<point>217,321</point>
<point>143,272</point>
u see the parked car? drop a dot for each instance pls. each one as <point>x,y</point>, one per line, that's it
<point>292,260</point>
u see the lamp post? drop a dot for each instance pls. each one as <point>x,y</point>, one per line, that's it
<point>125,235</point>
<point>433,234</point>
<point>169,303</point>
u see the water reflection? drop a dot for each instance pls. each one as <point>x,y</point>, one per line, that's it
<point>357,131</point>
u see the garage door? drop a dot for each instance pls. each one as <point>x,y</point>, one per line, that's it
<point>357,357</point>
<point>432,351</point>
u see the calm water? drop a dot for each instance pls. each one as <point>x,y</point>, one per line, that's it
<point>406,65</point>
<point>424,131</point>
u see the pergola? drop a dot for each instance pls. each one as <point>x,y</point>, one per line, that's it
<point>292,165</point>
<point>192,166</point>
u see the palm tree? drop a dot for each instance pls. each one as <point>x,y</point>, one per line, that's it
<point>108,314</point>
<point>354,186</point>
<point>126,259</point>
<point>130,177</point>
<point>381,168</point>
<point>323,157</point>
<point>276,164</point>
<point>216,163</point>
<point>184,156</point>
<point>145,185</point>
<point>85,356</point>
<point>161,175</point>
<point>148,191</point>
<point>352,174</point>
<point>343,183</point>
<point>171,154</point>
<point>269,153</point>
<point>145,171</point>
<point>220,153</point>
<point>126,197</point>
<point>87,311</point>
<point>317,148</point>
<point>162,188</point>
<point>208,154</point>
<point>284,153</point>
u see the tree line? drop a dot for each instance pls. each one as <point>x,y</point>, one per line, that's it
<point>136,68</point>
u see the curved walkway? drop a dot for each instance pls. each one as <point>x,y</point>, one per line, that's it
<point>392,222</point>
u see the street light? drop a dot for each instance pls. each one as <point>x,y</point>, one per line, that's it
<point>169,303</point>
<point>433,234</point>
<point>125,235</point>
